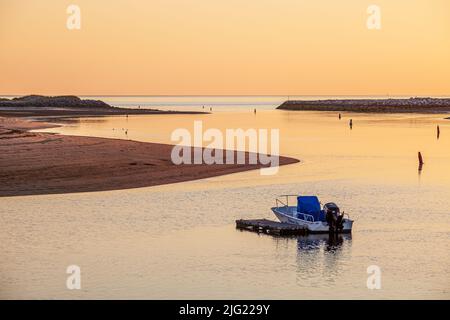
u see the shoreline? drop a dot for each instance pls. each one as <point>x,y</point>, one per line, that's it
<point>70,106</point>
<point>34,163</point>
<point>23,112</point>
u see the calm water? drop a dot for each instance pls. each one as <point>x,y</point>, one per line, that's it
<point>179,241</point>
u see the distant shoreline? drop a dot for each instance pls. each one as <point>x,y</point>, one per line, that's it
<point>411,105</point>
<point>35,163</point>
<point>69,106</point>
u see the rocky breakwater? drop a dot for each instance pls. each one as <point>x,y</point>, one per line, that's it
<point>411,105</point>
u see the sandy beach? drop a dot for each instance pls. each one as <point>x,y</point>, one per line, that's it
<point>42,163</point>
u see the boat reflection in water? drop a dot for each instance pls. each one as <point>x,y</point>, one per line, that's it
<point>327,242</point>
<point>322,259</point>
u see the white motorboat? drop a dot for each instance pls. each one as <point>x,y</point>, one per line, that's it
<point>308,213</point>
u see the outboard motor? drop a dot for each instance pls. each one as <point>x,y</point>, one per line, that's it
<point>334,217</point>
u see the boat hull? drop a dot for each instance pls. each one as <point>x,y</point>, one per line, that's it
<point>286,215</point>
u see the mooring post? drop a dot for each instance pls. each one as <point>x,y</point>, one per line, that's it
<point>351,123</point>
<point>339,116</point>
<point>420,161</point>
<point>438,132</point>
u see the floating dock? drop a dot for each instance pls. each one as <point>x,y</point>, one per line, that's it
<point>271,227</point>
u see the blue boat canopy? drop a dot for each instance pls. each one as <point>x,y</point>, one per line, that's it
<point>309,205</point>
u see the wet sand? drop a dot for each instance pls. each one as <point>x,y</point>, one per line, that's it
<point>34,163</point>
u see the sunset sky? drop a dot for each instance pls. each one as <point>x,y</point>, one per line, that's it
<point>225,47</point>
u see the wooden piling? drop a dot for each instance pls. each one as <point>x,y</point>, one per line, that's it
<point>420,159</point>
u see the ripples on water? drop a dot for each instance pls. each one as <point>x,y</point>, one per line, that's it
<point>179,241</point>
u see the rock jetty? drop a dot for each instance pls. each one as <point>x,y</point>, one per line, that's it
<point>411,105</point>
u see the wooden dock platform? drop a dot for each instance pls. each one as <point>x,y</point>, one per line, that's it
<point>270,227</point>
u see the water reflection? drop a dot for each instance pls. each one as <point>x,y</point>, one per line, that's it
<point>75,121</point>
<point>376,161</point>
<point>321,258</point>
<point>327,242</point>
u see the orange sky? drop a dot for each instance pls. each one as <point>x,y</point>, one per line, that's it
<point>176,47</point>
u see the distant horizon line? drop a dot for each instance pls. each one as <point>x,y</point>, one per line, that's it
<point>231,95</point>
